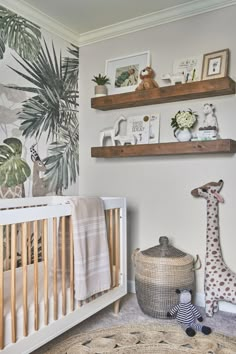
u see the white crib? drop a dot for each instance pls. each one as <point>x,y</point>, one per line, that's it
<point>36,294</point>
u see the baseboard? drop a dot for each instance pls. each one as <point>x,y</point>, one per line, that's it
<point>199,299</point>
<point>131,286</point>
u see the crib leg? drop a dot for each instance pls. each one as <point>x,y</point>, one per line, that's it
<point>116,307</point>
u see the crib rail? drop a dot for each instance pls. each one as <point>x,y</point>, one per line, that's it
<point>1,290</point>
<point>40,241</point>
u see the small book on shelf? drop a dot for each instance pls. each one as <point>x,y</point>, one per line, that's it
<point>205,134</point>
<point>139,126</point>
<point>154,131</point>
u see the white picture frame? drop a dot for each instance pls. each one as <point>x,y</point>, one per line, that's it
<point>124,72</point>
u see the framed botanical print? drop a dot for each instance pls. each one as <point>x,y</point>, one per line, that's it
<point>215,64</point>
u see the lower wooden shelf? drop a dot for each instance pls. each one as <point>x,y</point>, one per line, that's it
<point>176,148</point>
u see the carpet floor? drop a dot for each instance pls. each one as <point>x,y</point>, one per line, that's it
<point>130,314</point>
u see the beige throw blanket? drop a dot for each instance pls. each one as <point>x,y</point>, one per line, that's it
<point>91,254</point>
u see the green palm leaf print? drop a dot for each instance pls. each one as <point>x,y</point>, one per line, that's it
<point>20,34</point>
<point>13,169</point>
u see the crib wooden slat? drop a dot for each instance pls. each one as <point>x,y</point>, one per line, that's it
<point>29,241</point>
<point>63,263</point>
<point>41,231</point>
<point>117,247</point>
<point>110,243</point>
<point>36,310</point>
<point>55,248</point>
<point>24,265</point>
<point>13,282</point>
<point>7,246</point>
<point>71,265</point>
<point>45,281</point>
<point>1,290</point>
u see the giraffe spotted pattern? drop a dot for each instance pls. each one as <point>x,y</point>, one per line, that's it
<point>220,281</point>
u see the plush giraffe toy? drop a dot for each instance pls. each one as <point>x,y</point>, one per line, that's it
<point>220,281</point>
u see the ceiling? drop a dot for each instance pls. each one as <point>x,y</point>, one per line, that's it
<point>82,16</point>
<point>83,22</point>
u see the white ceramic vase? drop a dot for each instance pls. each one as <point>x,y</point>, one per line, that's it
<point>183,135</point>
<point>100,90</point>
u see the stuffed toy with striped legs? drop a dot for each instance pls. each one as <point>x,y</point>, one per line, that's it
<point>187,314</point>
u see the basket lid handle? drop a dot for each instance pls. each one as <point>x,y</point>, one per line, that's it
<point>195,262</point>
<point>133,256</point>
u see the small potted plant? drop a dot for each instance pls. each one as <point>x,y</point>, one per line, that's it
<point>182,122</point>
<point>101,81</point>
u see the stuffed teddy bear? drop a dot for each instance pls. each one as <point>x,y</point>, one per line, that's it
<point>186,314</point>
<point>146,75</point>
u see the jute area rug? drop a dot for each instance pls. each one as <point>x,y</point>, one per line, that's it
<point>151,338</point>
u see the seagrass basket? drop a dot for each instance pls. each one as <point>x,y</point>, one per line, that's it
<point>159,271</point>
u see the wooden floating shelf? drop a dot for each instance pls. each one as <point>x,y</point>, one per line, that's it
<point>179,92</point>
<point>177,148</point>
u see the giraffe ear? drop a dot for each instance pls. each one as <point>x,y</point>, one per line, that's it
<point>218,197</point>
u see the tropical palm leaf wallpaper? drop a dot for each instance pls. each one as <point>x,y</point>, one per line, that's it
<point>19,34</point>
<point>39,127</point>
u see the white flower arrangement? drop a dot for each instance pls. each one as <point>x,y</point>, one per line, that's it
<point>184,119</point>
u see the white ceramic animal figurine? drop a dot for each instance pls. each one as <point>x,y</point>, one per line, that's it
<point>126,139</point>
<point>220,281</point>
<point>210,120</point>
<point>174,78</point>
<point>111,132</point>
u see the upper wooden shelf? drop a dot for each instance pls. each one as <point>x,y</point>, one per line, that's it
<point>176,148</point>
<point>179,92</point>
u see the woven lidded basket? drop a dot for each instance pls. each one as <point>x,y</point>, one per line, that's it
<point>159,271</point>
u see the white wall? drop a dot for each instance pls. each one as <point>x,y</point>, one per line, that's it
<point>158,188</point>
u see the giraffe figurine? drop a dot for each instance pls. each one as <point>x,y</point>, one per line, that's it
<point>220,281</point>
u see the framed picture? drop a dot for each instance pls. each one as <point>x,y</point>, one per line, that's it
<point>215,64</point>
<point>190,68</point>
<point>124,72</point>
